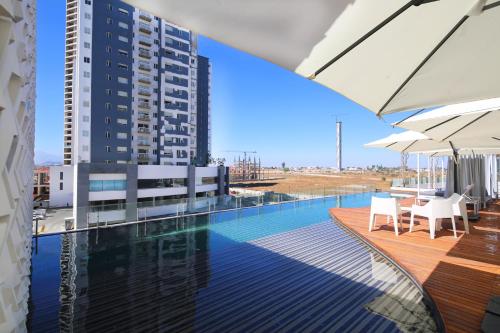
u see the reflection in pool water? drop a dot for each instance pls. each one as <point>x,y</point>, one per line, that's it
<point>274,268</point>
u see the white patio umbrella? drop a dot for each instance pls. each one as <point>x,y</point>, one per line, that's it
<point>475,122</point>
<point>387,56</point>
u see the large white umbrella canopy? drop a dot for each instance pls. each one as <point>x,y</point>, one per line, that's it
<point>387,55</point>
<point>415,142</point>
<point>473,121</point>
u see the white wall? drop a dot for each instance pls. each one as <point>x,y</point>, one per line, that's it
<point>161,172</point>
<point>17,122</point>
<point>64,197</point>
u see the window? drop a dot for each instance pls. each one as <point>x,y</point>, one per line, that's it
<point>86,74</point>
<point>87,16</point>
<point>86,104</point>
<point>87,30</point>
<point>121,149</point>
<point>121,135</point>
<point>108,49</point>
<point>123,39</point>
<point>122,121</point>
<point>122,80</point>
<point>86,45</point>
<point>107,120</point>
<point>122,108</point>
<point>107,106</point>
<point>108,77</point>
<point>88,2</point>
<point>107,185</point>
<point>86,89</point>
<point>155,151</point>
<point>86,60</point>
<point>108,149</point>
<point>109,20</point>
<point>61,175</point>
<point>85,148</point>
<point>108,63</point>
<point>123,11</point>
<point>123,53</point>
<point>108,135</point>
<point>108,92</point>
<point>122,93</point>
<point>108,34</point>
<point>123,25</point>
<point>110,7</point>
<point>85,119</point>
<point>85,133</point>
<point>122,66</point>
<point>61,187</point>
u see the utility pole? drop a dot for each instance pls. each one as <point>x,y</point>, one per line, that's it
<point>339,145</point>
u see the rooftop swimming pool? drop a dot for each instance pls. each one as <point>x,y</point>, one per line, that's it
<point>274,268</point>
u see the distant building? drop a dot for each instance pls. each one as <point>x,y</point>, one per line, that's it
<point>41,184</point>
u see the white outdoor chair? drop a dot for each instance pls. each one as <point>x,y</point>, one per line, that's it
<point>460,209</point>
<point>434,209</point>
<point>388,207</point>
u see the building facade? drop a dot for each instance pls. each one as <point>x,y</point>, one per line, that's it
<point>17,121</point>
<point>132,93</point>
<point>136,94</point>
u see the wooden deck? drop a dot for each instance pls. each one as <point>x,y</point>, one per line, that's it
<point>460,273</point>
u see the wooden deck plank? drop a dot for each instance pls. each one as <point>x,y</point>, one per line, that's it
<point>460,274</point>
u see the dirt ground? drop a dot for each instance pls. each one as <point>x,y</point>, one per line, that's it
<point>289,183</point>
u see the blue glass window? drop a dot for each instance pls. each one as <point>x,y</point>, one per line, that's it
<point>107,185</point>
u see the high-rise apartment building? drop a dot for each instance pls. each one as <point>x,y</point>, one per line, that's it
<point>136,115</point>
<point>136,90</point>
<point>17,128</point>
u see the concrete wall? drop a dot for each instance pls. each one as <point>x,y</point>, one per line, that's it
<point>58,197</point>
<point>17,121</point>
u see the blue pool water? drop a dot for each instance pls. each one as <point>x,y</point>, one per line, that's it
<point>273,268</point>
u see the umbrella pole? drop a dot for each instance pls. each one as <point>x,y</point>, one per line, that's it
<point>418,175</point>
<point>455,172</point>
<point>429,183</point>
<point>442,173</point>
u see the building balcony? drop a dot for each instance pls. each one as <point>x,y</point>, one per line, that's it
<point>145,53</point>
<point>144,105</point>
<point>143,157</point>
<point>145,40</point>
<point>144,79</point>
<point>143,144</point>
<point>177,81</point>
<point>144,117</point>
<point>178,57</point>
<point>181,94</point>
<point>145,67</point>
<point>177,33</point>
<point>145,16</point>
<point>145,28</point>
<point>180,106</point>
<point>143,130</point>
<point>177,69</point>
<point>144,92</point>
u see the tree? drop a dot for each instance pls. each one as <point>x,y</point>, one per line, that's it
<point>283,165</point>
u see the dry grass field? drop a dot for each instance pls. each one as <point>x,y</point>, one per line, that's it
<point>307,182</point>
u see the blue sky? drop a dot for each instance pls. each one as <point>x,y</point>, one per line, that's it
<point>255,106</point>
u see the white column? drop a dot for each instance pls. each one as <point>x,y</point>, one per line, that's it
<point>429,183</point>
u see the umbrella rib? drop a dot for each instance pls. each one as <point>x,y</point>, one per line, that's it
<point>441,43</point>
<point>441,123</point>
<point>410,116</point>
<point>365,36</point>
<point>411,144</point>
<point>494,138</point>
<point>491,5</point>
<point>466,125</point>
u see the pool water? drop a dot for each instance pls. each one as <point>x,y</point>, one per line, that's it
<point>273,268</point>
